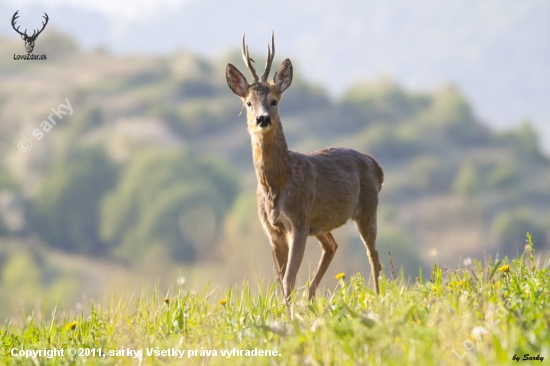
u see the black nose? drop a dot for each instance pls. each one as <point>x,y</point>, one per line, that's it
<point>263,121</point>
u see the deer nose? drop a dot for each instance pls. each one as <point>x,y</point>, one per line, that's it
<point>263,121</point>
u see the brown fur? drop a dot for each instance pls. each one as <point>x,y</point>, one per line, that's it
<point>306,195</point>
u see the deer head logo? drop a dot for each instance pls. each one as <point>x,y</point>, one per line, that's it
<point>29,40</point>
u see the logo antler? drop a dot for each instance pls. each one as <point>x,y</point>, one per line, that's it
<point>45,16</point>
<point>15,16</point>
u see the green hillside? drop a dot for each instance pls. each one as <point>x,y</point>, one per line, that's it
<point>151,179</point>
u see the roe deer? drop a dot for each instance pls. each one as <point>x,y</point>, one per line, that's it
<point>301,195</point>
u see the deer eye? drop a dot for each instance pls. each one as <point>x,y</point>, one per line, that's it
<point>273,103</point>
<point>249,104</point>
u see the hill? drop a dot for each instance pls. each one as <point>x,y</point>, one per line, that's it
<point>148,173</point>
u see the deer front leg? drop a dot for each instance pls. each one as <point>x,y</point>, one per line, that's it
<point>279,248</point>
<point>297,246</point>
<point>281,258</point>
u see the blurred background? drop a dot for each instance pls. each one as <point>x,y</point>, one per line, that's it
<point>150,179</point>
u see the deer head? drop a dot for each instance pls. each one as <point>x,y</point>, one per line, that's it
<point>29,40</point>
<point>261,98</point>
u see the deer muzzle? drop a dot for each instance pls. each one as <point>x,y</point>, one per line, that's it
<point>263,121</point>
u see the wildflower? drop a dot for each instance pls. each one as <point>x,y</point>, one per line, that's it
<point>467,262</point>
<point>505,268</point>
<point>340,276</point>
<point>166,301</point>
<point>222,302</point>
<point>181,280</point>
<point>71,326</point>
<point>432,252</point>
<point>477,332</point>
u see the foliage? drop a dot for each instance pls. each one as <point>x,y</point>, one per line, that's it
<point>524,140</point>
<point>65,211</point>
<point>29,277</point>
<point>382,101</point>
<point>171,199</point>
<point>303,98</point>
<point>507,225</point>
<point>479,176</point>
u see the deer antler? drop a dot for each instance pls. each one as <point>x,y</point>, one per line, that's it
<point>13,19</point>
<point>43,25</point>
<point>270,56</point>
<point>247,61</point>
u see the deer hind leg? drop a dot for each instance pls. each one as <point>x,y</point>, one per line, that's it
<point>367,230</point>
<point>328,247</point>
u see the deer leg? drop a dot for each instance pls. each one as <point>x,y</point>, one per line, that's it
<point>296,254</point>
<point>280,254</point>
<point>367,229</point>
<point>281,257</point>
<point>328,247</point>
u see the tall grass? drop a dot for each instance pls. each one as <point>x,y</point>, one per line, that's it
<point>484,314</point>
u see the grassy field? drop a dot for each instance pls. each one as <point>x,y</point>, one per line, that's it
<point>485,314</point>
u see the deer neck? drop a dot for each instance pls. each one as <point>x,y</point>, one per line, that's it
<point>271,159</point>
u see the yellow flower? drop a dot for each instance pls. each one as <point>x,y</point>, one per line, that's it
<point>340,276</point>
<point>71,326</point>
<point>166,301</point>
<point>505,268</point>
<point>222,302</point>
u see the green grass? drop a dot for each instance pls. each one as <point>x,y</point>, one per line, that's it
<point>482,315</point>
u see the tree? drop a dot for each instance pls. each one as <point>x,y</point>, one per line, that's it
<point>511,227</point>
<point>168,199</point>
<point>65,213</point>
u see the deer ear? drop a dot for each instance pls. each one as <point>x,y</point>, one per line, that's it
<point>236,81</point>
<point>283,76</point>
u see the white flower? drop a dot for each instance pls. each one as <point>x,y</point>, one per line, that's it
<point>478,331</point>
<point>316,324</point>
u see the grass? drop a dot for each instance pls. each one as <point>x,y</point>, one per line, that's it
<point>481,315</point>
